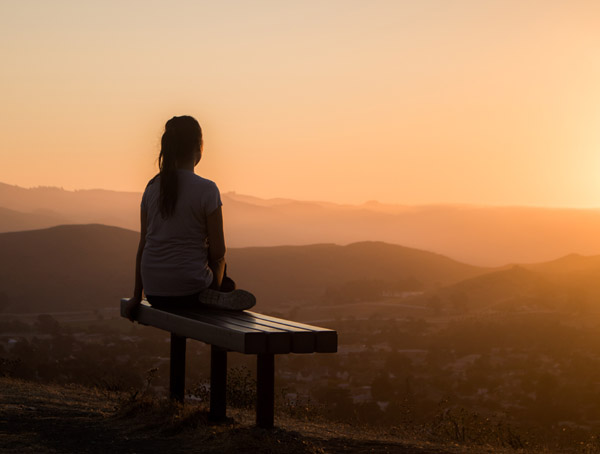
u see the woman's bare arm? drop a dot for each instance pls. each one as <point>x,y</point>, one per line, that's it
<point>216,246</point>
<point>134,302</point>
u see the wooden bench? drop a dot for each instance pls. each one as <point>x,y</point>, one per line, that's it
<point>245,332</point>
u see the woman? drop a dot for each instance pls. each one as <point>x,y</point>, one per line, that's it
<point>180,260</point>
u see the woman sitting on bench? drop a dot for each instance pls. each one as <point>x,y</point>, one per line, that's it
<point>180,260</point>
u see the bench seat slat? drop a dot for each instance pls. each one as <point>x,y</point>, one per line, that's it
<point>235,318</point>
<point>240,340</point>
<point>325,341</point>
<point>284,322</point>
<point>303,340</point>
<point>278,340</point>
<point>246,316</point>
<point>220,321</point>
<point>243,331</point>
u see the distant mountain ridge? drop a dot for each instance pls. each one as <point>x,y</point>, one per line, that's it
<point>488,236</point>
<point>67,267</point>
<point>100,206</point>
<point>81,267</point>
<point>12,220</point>
<point>86,267</point>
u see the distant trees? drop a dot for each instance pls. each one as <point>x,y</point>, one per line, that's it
<point>359,290</point>
<point>47,324</point>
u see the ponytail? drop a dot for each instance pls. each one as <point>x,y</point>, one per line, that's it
<point>182,137</point>
<point>167,163</point>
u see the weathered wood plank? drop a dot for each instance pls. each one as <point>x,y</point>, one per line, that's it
<point>303,340</point>
<point>326,339</point>
<point>285,322</point>
<point>233,338</point>
<point>244,331</point>
<point>278,340</point>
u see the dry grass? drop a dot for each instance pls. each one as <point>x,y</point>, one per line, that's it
<point>63,419</point>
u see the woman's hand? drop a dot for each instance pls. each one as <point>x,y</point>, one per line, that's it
<point>132,306</point>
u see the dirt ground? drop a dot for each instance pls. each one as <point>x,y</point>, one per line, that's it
<point>42,419</point>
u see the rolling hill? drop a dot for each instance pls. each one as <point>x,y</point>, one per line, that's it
<point>570,284</point>
<point>12,221</point>
<point>83,267</point>
<point>68,267</point>
<point>120,209</point>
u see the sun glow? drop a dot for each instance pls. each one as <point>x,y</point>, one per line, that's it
<point>488,103</point>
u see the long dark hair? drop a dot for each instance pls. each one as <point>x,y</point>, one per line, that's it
<point>182,137</point>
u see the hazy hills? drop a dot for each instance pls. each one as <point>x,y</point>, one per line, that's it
<point>281,273</point>
<point>490,236</point>
<point>80,267</point>
<point>65,268</point>
<point>567,285</point>
<point>11,220</point>
<point>39,205</point>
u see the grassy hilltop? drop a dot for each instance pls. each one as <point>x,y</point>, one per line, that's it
<point>63,419</point>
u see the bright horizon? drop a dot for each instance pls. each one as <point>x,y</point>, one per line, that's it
<point>275,199</point>
<point>488,103</point>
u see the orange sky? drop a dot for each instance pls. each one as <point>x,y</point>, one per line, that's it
<point>489,102</point>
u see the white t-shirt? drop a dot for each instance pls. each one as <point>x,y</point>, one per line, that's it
<point>175,257</point>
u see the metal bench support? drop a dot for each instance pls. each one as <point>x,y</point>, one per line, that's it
<point>265,390</point>
<point>177,372</point>
<point>218,383</point>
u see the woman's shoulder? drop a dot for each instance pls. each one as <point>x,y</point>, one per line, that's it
<point>201,182</point>
<point>153,180</point>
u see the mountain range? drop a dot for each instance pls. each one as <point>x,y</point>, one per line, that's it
<point>480,235</point>
<point>79,267</point>
<point>86,267</point>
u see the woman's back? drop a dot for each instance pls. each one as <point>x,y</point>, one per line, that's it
<point>175,257</point>
<point>181,253</point>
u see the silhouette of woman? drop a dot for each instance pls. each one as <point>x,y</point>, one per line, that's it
<point>180,260</point>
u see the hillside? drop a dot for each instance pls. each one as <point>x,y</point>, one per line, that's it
<point>76,207</point>
<point>489,236</point>
<point>13,221</point>
<point>569,284</point>
<point>87,267</point>
<point>65,268</point>
<point>48,419</point>
<point>82,267</point>
<point>306,272</point>
<point>572,264</point>
<point>488,291</point>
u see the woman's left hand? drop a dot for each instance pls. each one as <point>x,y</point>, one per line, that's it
<point>132,306</point>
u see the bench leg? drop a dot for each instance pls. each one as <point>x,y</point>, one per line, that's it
<point>218,383</point>
<point>177,378</point>
<point>265,390</point>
